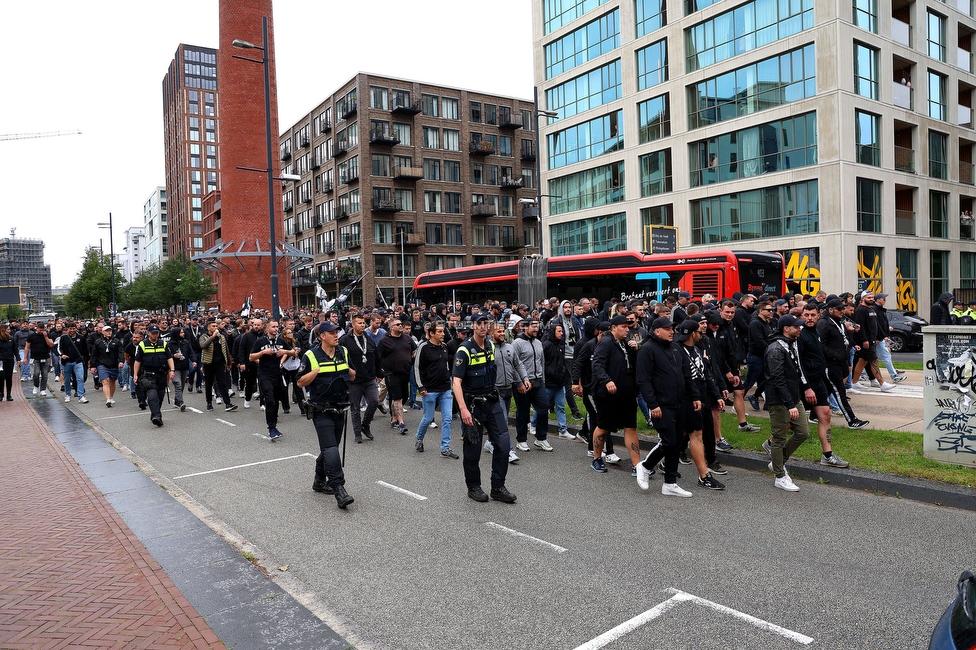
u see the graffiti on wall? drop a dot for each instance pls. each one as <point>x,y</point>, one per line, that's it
<point>803,270</point>
<point>905,290</point>
<point>870,270</point>
<point>954,371</point>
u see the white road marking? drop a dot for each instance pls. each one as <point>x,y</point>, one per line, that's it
<point>227,469</point>
<point>129,415</point>
<point>190,408</point>
<point>676,599</point>
<point>402,491</point>
<point>230,424</point>
<point>515,533</point>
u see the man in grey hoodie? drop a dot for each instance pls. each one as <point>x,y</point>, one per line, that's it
<point>572,332</point>
<point>528,347</point>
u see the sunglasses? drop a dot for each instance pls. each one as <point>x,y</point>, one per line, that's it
<point>767,309</point>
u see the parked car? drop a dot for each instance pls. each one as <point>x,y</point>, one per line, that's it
<point>956,630</point>
<point>907,334</point>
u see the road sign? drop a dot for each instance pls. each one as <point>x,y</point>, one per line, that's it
<point>99,309</point>
<point>9,295</point>
<point>191,308</point>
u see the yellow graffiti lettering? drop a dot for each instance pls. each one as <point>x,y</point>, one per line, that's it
<point>906,293</point>
<point>799,271</point>
<point>872,273</point>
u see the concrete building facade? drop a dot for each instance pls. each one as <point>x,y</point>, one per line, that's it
<point>155,226</point>
<point>840,135</point>
<point>134,255</point>
<point>401,177</point>
<point>22,265</point>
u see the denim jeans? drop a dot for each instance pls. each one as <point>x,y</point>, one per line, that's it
<point>554,395</point>
<point>124,375</point>
<point>56,364</point>
<point>74,373</point>
<point>40,372</point>
<point>25,368</point>
<point>433,401</point>
<point>884,356</point>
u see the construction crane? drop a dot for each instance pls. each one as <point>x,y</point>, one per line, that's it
<point>43,134</point>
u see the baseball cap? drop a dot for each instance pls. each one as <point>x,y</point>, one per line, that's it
<point>880,295</point>
<point>482,316</point>
<point>149,330</point>
<point>712,317</point>
<point>618,320</point>
<point>780,302</point>
<point>603,326</point>
<point>685,329</point>
<point>661,323</point>
<point>684,294</point>
<point>108,327</point>
<point>836,303</point>
<point>327,326</point>
<point>787,320</point>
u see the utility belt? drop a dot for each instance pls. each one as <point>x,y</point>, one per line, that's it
<point>483,399</point>
<point>331,408</point>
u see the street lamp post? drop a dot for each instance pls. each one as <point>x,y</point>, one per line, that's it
<point>267,128</point>
<point>538,158</point>
<point>111,253</point>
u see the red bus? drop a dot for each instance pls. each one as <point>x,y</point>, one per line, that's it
<point>624,275</point>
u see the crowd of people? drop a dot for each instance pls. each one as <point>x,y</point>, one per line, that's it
<point>679,362</point>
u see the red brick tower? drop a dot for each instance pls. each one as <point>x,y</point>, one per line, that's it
<point>244,194</point>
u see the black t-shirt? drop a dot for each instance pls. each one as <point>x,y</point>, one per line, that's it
<point>39,349</point>
<point>269,365</point>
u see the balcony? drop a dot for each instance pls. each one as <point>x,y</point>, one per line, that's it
<point>383,135</point>
<point>340,147</point>
<point>964,59</point>
<point>403,106</point>
<point>328,249</point>
<point>528,151</point>
<point>511,183</point>
<point>342,214</point>
<point>316,162</point>
<point>481,148</point>
<point>901,95</point>
<point>530,212</point>
<point>408,173</point>
<point>905,222</point>
<point>288,206</point>
<point>965,117</point>
<point>325,126</point>
<point>326,187</point>
<point>412,239</point>
<point>303,142</point>
<point>905,159</point>
<point>351,242</point>
<point>298,232</point>
<point>306,199</point>
<point>901,32</point>
<point>483,210</point>
<point>349,176</point>
<point>966,173</point>
<point>348,110</point>
<point>302,281</point>
<point>286,154</point>
<point>511,243</point>
<point>507,119</point>
<point>868,155</point>
<point>387,205</point>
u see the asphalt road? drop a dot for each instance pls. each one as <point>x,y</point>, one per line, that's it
<point>579,555</point>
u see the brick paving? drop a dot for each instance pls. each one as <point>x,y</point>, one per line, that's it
<point>72,574</point>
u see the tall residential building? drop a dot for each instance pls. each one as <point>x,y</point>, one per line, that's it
<point>154,225</point>
<point>191,145</point>
<point>401,177</point>
<point>22,265</point>
<point>840,135</point>
<point>135,255</point>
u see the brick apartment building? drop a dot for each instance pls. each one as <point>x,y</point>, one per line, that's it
<point>401,177</point>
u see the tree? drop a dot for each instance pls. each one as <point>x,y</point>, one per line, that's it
<point>11,312</point>
<point>176,282</point>
<point>93,286</point>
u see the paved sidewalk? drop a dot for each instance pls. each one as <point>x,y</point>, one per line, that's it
<point>72,574</point>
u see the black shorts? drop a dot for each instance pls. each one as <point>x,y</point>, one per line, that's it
<point>868,355</point>
<point>819,387</point>
<point>397,386</point>
<point>616,413</point>
<point>693,419</point>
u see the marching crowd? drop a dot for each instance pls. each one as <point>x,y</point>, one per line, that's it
<point>679,362</point>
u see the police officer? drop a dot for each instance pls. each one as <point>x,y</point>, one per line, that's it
<point>481,410</point>
<point>153,369</point>
<point>325,370</point>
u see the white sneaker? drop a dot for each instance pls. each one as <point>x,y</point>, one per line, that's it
<point>35,391</point>
<point>112,400</point>
<point>247,404</point>
<point>57,380</point>
<point>899,379</point>
<point>240,393</point>
<point>853,391</point>
<point>770,466</point>
<point>433,425</point>
<point>613,459</point>
<point>522,446</point>
<point>219,401</point>
<point>786,483</point>
<point>82,400</point>
<point>262,407</point>
<point>566,435</point>
<point>44,393</point>
<point>543,445</point>
<point>67,399</point>
<point>489,448</point>
<point>885,387</point>
<point>589,452</point>
<point>875,384</point>
<point>531,430</point>
<point>643,476</point>
<point>859,386</point>
<point>512,458</point>
<point>673,490</point>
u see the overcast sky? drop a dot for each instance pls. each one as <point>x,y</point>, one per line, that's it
<point>98,67</point>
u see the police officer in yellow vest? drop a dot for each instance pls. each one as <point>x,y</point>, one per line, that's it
<point>325,370</point>
<point>153,369</point>
<point>481,411</point>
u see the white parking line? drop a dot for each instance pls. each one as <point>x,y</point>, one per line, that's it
<point>230,424</point>
<point>227,469</point>
<point>402,491</point>
<point>515,533</point>
<point>683,597</point>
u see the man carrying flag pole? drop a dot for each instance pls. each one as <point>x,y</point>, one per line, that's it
<point>246,307</point>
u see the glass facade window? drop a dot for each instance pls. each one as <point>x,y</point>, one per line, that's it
<point>556,13</point>
<point>656,173</point>
<point>428,105</point>
<point>651,15</point>
<point>652,65</point>
<point>449,108</point>
<point>778,80</point>
<point>769,212</point>
<point>936,36</point>
<point>592,89</point>
<point>937,96</point>
<point>938,214</point>
<point>865,71</point>
<point>967,270</point>
<point>432,169</point>
<point>587,140</point>
<point>659,215</point>
<point>906,276</point>
<point>866,133</point>
<point>763,149</point>
<point>379,98</point>
<point>654,117</point>
<point>938,155</point>
<point>939,271</point>
<point>432,137</point>
<point>401,132</point>
<point>866,15</point>
<point>452,171</point>
<point>588,189</point>
<point>868,205</point>
<point>596,235</point>
<point>588,42</point>
<point>745,28</point>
